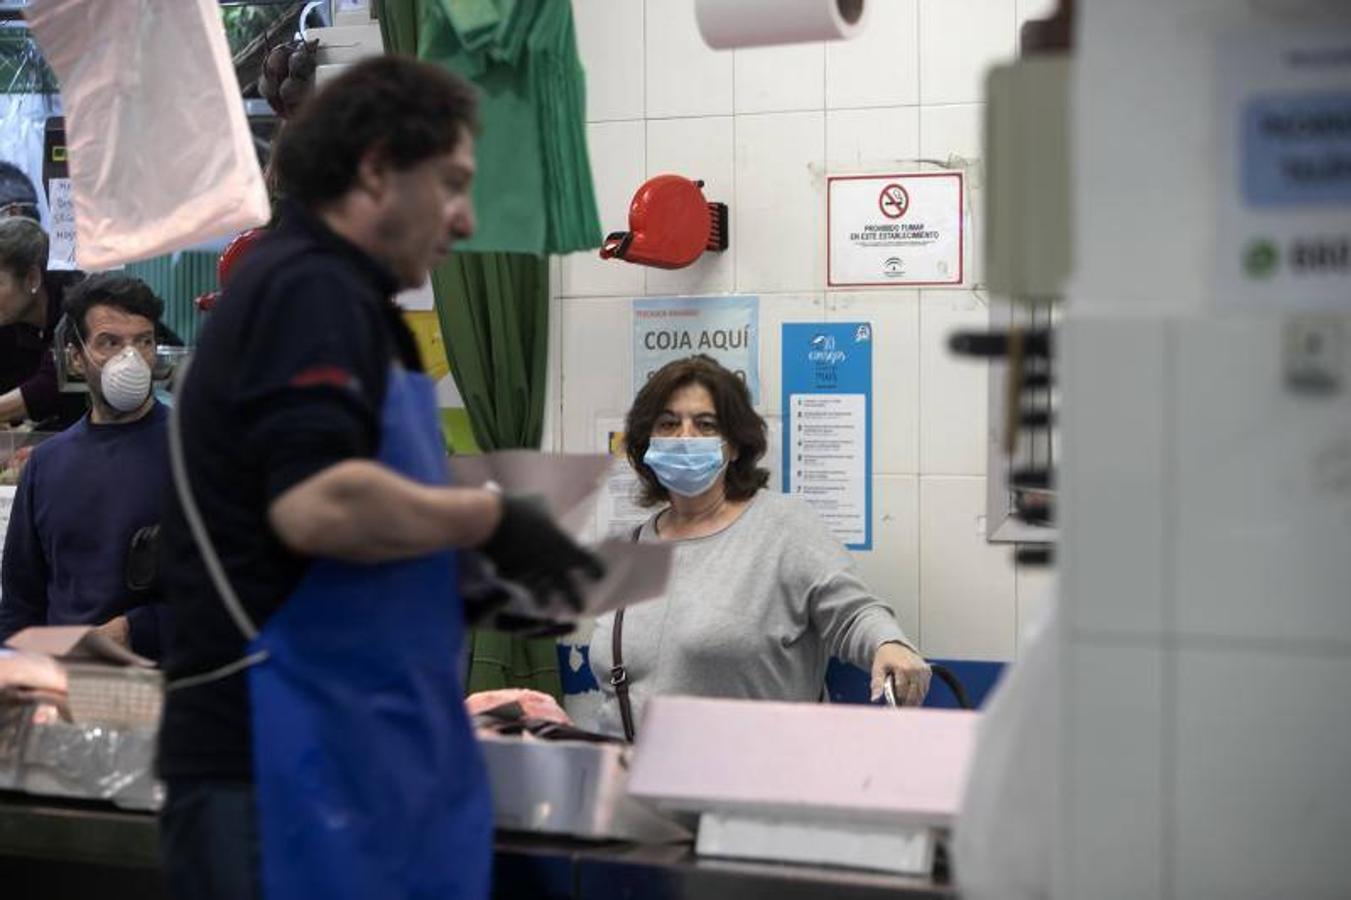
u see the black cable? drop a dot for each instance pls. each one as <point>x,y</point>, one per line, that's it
<point>945,675</point>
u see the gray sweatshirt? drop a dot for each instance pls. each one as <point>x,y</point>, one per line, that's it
<point>754,611</point>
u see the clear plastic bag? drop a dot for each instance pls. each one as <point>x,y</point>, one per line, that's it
<point>160,154</point>
<point>43,752</point>
<point>25,106</point>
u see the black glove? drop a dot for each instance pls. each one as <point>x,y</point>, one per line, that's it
<point>528,627</point>
<point>486,597</point>
<point>482,594</point>
<point>529,549</point>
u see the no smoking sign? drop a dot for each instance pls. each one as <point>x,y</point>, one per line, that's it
<point>893,201</point>
<point>896,229</point>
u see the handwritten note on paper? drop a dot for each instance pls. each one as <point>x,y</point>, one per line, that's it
<point>61,201</point>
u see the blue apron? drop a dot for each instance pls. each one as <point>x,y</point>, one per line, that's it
<point>368,777</point>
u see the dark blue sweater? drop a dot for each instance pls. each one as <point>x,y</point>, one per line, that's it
<point>81,497</point>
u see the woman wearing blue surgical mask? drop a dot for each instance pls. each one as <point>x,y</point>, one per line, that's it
<point>761,595</point>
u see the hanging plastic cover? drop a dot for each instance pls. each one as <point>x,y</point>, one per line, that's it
<point>25,103</point>
<point>160,153</point>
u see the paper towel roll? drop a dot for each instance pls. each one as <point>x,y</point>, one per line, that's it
<point>753,23</point>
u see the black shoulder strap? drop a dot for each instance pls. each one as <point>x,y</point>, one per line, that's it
<point>619,676</point>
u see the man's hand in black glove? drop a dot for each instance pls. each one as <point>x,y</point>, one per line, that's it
<point>486,598</point>
<point>531,550</point>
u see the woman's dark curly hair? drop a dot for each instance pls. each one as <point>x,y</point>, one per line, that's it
<point>740,425</point>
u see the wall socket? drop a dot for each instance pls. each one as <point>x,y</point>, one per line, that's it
<point>1315,354</point>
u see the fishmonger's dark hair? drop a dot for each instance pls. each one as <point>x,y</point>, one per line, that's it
<point>409,111</point>
<point>131,295</point>
<point>738,422</point>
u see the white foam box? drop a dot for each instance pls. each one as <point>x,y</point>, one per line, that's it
<point>860,786</point>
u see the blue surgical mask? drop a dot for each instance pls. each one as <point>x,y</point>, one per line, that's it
<point>685,466</point>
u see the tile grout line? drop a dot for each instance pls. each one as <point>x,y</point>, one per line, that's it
<point>647,126</point>
<point>824,231</point>
<point>646,104</point>
<point>878,107</point>
<point>919,75</point>
<point>1170,662</point>
<point>736,197</point>
<point>919,349</point>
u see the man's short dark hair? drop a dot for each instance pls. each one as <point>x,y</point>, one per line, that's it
<point>738,424</point>
<point>409,111</point>
<point>23,246</point>
<point>17,194</point>
<point>131,295</point>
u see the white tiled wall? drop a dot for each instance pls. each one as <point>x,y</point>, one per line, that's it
<point>779,79</point>
<point>683,76</point>
<point>880,138</point>
<point>618,151</point>
<point>953,407</point>
<point>1263,804</point>
<point>967,594</point>
<point>613,31</point>
<point>1114,724</point>
<point>878,68</point>
<point>960,40</point>
<point>763,128</point>
<point>778,220</point>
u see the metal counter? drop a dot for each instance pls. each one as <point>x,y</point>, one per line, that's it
<point>114,853</point>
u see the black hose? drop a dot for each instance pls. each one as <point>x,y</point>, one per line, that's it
<point>944,674</point>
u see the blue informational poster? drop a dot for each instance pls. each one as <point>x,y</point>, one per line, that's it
<point>725,328</point>
<point>828,423</point>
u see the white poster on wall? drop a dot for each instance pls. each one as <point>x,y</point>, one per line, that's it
<point>617,509</point>
<point>61,203</point>
<point>898,230</point>
<point>670,328</point>
<point>827,461</point>
<point>1284,133</point>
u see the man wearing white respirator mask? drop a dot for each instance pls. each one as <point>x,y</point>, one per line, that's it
<point>87,491</point>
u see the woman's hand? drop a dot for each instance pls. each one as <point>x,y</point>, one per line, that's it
<point>909,670</point>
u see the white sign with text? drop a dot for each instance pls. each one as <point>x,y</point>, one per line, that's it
<point>900,230</point>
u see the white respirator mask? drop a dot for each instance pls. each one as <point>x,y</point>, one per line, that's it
<point>125,381</point>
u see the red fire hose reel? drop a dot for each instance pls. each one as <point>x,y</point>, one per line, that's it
<point>238,247</point>
<point>670,225</point>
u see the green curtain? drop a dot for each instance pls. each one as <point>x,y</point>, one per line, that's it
<point>494,312</point>
<point>533,188</point>
<point>494,315</point>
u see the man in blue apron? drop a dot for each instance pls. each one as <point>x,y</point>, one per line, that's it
<point>314,740</point>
